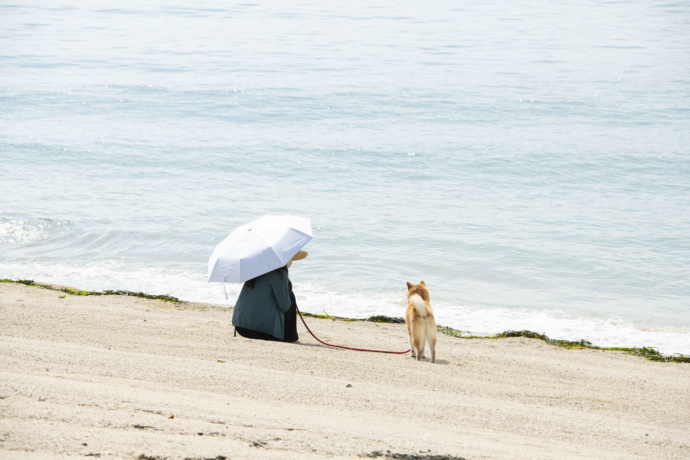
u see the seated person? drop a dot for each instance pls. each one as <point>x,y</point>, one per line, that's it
<point>266,308</point>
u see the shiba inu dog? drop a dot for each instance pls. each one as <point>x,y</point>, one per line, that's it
<point>419,317</point>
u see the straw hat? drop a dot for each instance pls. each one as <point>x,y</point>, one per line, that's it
<point>299,256</point>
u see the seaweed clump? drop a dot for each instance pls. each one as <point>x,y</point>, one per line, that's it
<point>650,353</point>
<point>327,316</point>
<point>385,319</point>
<point>373,319</point>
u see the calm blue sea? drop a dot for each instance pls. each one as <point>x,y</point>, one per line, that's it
<point>529,160</point>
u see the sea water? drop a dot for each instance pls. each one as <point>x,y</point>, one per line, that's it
<point>528,160</point>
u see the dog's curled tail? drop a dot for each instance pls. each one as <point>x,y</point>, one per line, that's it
<point>419,304</point>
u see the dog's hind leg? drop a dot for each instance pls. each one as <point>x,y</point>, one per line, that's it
<point>417,343</point>
<point>430,333</point>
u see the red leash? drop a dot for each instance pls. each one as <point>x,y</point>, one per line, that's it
<point>347,348</point>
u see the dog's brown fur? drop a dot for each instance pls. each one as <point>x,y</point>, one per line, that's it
<point>421,324</point>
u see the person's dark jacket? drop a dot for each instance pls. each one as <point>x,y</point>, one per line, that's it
<point>262,307</point>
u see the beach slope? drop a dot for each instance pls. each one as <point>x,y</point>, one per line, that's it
<point>126,377</point>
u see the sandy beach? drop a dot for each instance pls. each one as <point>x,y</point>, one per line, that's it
<point>126,377</point>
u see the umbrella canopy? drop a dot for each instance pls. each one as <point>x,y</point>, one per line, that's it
<point>258,247</point>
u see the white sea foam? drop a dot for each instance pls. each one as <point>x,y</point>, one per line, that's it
<point>120,276</point>
<point>22,232</point>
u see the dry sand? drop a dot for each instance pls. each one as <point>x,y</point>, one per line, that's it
<point>125,377</point>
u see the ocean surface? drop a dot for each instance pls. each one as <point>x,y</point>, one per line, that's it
<point>529,160</point>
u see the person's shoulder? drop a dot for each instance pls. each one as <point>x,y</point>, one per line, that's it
<point>275,275</point>
<point>268,274</point>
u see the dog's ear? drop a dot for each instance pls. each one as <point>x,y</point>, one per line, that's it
<point>423,283</point>
<point>409,285</point>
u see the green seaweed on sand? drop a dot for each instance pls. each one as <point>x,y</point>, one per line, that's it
<point>385,319</point>
<point>327,316</point>
<point>373,319</point>
<point>27,282</point>
<point>72,291</point>
<point>650,353</point>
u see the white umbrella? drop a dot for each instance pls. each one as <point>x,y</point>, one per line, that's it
<point>258,247</point>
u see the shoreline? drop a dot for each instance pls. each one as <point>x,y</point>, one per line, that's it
<point>127,377</point>
<point>650,353</point>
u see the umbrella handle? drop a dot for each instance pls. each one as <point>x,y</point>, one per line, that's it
<point>224,290</point>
